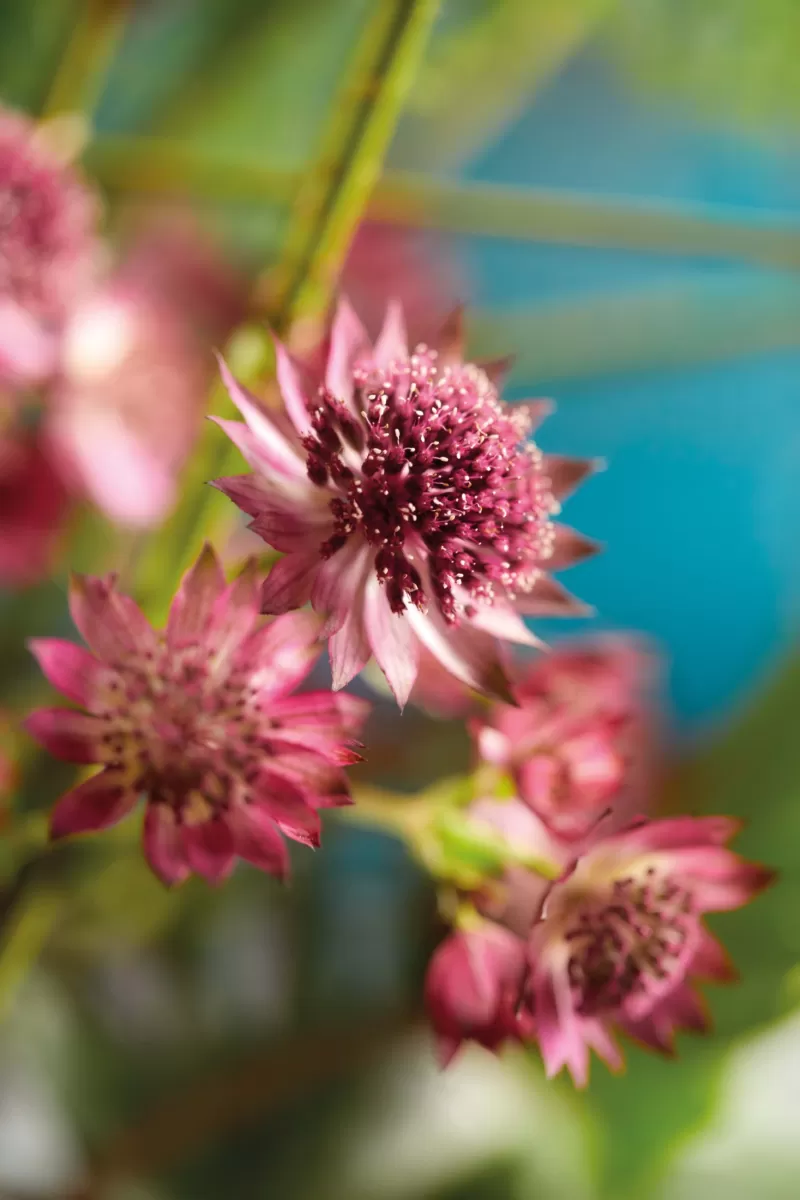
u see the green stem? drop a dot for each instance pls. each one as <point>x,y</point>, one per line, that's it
<point>325,216</point>
<point>81,74</point>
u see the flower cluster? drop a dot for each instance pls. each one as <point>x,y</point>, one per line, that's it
<point>611,937</point>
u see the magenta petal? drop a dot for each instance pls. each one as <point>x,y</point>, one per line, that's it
<point>163,844</point>
<point>257,840</point>
<point>322,710</point>
<point>283,801</point>
<point>395,648</point>
<point>70,668</point>
<point>569,548</point>
<point>711,960</point>
<point>679,833</point>
<point>288,585</point>
<point>234,614</point>
<point>392,343</point>
<point>292,390</point>
<point>349,342</point>
<point>96,804</point>
<point>280,655</point>
<point>66,734</point>
<point>191,610</point>
<point>209,849</point>
<point>719,879</point>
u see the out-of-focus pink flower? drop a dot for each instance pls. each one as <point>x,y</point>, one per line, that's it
<point>200,720</point>
<point>473,986</point>
<point>48,249</point>
<point>581,740</point>
<point>409,505</point>
<point>621,938</point>
<point>33,507</point>
<point>126,406</point>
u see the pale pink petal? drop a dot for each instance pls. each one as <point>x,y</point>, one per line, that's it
<point>72,736</point>
<point>349,649</point>
<point>234,614</point>
<point>679,833</point>
<point>569,548</point>
<point>500,621</point>
<point>292,390</point>
<point>349,342</point>
<point>280,655</point>
<point>209,849</point>
<point>70,668</point>
<point>98,803</point>
<point>28,353</point>
<point>339,581</point>
<point>393,643</point>
<point>257,840</point>
<point>720,880</point>
<point>469,654</point>
<point>163,844</point>
<point>112,626</point>
<point>191,610</point>
<point>321,710</point>
<point>559,1037</point>
<point>392,343</point>
<point>289,583</point>
<point>272,457</point>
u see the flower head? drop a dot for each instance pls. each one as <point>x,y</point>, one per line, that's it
<point>579,740</point>
<point>621,937</point>
<point>199,720</point>
<point>47,245</point>
<point>472,988</point>
<point>409,504</point>
<point>33,507</point>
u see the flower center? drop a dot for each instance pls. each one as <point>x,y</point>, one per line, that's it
<point>179,733</point>
<point>436,476</point>
<point>634,944</point>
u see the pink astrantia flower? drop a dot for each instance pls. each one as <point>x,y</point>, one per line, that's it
<point>126,404</point>
<point>47,247</point>
<point>33,507</point>
<point>581,740</point>
<point>408,503</point>
<point>472,989</point>
<point>621,938</point>
<point>198,720</point>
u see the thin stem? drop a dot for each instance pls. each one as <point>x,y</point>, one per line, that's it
<point>81,74</point>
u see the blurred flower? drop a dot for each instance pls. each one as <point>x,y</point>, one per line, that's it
<point>621,938</point>
<point>47,247</point>
<point>33,507</point>
<point>472,988</point>
<point>126,406</point>
<point>410,507</point>
<point>581,740</point>
<point>199,719</point>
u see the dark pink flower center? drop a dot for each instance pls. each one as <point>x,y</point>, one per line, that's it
<point>435,475</point>
<point>636,942</point>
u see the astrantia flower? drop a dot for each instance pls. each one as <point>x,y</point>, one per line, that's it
<point>33,507</point>
<point>580,740</point>
<point>126,405</point>
<point>199,721</point>
<point>472,988</point>
<point>621,938</point>
<point>47,246</point>
<point>409,504</point>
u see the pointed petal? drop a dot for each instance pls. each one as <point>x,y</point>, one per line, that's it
<point>282,800</point>
<point>163,844</point>
<point>70,668</point>
<point>450,340</point>
<point>289,583</point>
<point>112,625</point>
<point>392,343</point>
<point>209,849</point>
<point>497,370</point>
<point>292,390</point>
<point>96,804</point>
<point>566,474</point>
<point>257,840</point>
<point>393,643</point>
<point>711,960</point>
<point>468,654</point>
<point>349,649</point>
<point>339,581</point>
<point>271,456</point>
<point>720,879</point>
<point>500,621</point>
<point>332,711</point>
<point>281,654</point>
<point>570,547</point>
<point>349,342</point>
<point>201,587</point>
<point>234,614</point>
<point>66,734</point>
<point>549,598</point>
